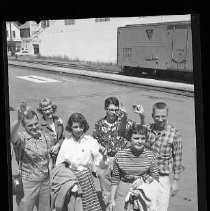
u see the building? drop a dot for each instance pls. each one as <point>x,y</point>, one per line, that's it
<point>93,39</point>
<point>13,37</point>
<point>28,34</point>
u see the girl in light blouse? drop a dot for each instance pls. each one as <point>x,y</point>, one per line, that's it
<point>81,152</point>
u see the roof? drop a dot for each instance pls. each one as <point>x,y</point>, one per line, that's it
<point>25,25</point>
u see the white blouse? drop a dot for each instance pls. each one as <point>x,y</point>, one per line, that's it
<point>83,153</point>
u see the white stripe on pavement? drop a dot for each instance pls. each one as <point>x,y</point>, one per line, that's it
<point>38,79</point>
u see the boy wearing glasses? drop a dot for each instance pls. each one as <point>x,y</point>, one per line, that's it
<point>111,132</point>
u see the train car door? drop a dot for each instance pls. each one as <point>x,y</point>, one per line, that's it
<point>179,46</point>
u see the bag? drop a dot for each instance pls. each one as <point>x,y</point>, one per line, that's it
<point>17,184</point>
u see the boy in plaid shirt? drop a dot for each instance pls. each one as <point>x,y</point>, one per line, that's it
<point>166,142</point>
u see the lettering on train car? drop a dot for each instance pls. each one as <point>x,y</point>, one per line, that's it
<point>127,53</point>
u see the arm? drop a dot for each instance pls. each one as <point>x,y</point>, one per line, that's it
<point>138,109</point>
<point>14,131</point>
<point>177,162</point>
<point>154,169</point>
<point>60,134</point>
<point>177,156</point>
<point>16,125</point>
<point>96,132</point>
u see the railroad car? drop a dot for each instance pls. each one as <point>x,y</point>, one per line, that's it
<point>155,48</point>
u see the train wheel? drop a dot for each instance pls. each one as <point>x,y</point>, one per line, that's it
<point>125,70</point>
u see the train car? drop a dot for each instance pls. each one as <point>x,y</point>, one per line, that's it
<point>155,48</point>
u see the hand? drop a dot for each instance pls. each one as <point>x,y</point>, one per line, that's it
<point>111,206</point>
<point>73,166</point>
<point>55,149</point>
<point>138,109</point>
<point>22,111</point>
<point>137,183</point>
<point>174,188</point>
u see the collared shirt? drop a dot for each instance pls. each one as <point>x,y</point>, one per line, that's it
<point>56,133</point>
<point>83,153</point>
<point>34,156</point>
<point>167,146</point>
<point>127,165</point>
<point>108,134</point>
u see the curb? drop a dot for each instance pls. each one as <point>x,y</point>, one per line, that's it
<point>109,76</point>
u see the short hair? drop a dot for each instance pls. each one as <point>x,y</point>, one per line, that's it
<point>111,100</point>
<point>29,114</point>
<point>136,127</point>
<point>159,105</point>
<point>78,118</point>
<point>45,102</point>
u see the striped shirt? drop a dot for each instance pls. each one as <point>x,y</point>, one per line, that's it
<point>127,164</point>
<point>167,146</point>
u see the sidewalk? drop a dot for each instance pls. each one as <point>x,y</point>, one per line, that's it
<point>108,76</point>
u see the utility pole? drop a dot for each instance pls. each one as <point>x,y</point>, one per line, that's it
<point>10,28</point>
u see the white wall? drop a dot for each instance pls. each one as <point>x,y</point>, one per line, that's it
<point>13,28</point>
<point>88,40</point>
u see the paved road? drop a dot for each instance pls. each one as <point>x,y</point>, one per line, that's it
<point>72,94</point>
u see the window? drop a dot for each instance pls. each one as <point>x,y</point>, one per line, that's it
<point>45,23</point>
<point>69,21</point>
<point>13,32</point>
<point>99,20</point>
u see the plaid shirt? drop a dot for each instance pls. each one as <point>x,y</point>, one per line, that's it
<point>167,146</point>
<point>108,135</point>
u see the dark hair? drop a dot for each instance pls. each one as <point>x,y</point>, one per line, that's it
<point>159,105</point>
<point>44,103</point>
<point>136,127</point>
<point>30,114</point>
<point>111,100</point>
<point>79,118</point>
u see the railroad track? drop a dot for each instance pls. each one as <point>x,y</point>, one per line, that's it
<point>70,65</point>
<point>104,70</point>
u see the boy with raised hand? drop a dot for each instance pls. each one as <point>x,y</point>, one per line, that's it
<point>166,143</point>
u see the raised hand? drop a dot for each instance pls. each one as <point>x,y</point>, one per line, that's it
<point>22,111</point>
<point>138,109</point>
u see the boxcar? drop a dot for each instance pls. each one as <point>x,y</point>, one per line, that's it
<point>155,48</point>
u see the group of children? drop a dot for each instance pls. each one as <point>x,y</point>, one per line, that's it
<point>132,160</point>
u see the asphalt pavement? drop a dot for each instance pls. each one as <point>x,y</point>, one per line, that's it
<point>86,95</point>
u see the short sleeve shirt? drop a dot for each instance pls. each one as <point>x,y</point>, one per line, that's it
<point>107,135</point>
<point>33,154</point>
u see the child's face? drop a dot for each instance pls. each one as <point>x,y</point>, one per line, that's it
<point>77,129</point>
<point>160,117</point>
<point>32,126</point>
<point>138,141</point>
<point>47,112</point>
<point>112,111</point>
